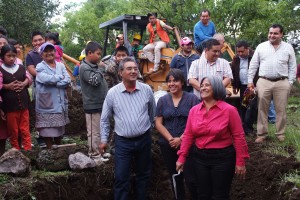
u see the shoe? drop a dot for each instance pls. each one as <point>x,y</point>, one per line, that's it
<point>281,138</point>
<point>260,139</point>
<point>272,121</point>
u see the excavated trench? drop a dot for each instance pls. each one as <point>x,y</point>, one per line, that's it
<point>263,180</point>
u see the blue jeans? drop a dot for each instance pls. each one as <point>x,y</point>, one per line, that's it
<point>272,113</point>
<point>129,151</point>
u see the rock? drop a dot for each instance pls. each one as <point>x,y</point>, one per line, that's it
<point>56,159</point>
<point>13,161</point>
<point>81,161</point>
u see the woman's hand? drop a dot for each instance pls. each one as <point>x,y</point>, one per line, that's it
<point>240,171</point>
<point>175,142</point>
<point>179,166</point>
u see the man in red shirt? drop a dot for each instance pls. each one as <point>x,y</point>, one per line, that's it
<point>158,39</point>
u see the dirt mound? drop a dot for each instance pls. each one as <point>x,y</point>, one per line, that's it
<point>264,172</point>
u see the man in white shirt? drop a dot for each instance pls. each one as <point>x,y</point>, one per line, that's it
<point>209,64</point>
<point>276,62</point>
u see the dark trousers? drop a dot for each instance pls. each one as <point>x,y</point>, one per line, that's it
<point>250,116</point>
<point>128,151</point>
<point>242,109</point>
<point>170,157</point>
<point>214,171</point>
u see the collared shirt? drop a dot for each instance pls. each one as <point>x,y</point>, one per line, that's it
<point>244,70</point>
<point>219,127</point>
<point>201,68</point>
<point>11,69</point>
<point>273,63</point>
<point>133,112</point>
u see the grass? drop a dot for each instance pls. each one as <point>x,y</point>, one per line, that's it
<point>47,174</point>
<point>4,178</point>
<point>291,145</point>
<point>292,133</point>
<point>293,177</point>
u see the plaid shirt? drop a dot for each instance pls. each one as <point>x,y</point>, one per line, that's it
<point>201,68</point>
<point>273,63</point>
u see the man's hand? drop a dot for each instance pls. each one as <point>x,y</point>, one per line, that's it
<point>102,148</point>
<point>250,86</point>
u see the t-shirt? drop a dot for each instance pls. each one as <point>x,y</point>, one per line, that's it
<point>33,58</point>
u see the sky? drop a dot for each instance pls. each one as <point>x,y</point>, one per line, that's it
<point>59,18</point>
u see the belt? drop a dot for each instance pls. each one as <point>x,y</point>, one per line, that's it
<point>137,137</point>
<point>274,79</point>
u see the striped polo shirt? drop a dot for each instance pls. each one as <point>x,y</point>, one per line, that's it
<point>133,112</point>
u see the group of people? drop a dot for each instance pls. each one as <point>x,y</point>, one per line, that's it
<point>50,79</point>
<point>202,137</point>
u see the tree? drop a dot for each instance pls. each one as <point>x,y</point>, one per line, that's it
<point>247,19</point>
<point>21,17</point>
<point>83,25</point>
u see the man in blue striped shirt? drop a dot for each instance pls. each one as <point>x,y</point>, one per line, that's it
<point>132,106</point>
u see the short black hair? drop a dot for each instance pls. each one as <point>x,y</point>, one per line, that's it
<point>205,10</point>
<point>3,31</point>
<point>152,14</point>
<point>35,33</point>
<point>177,75</point>
<point>123,49</point>
<point>53,36</point>
<point>125,60</point>
<point>13,41</point>
<point>210,43</point>
<point>92,47</point>
<point>200,48</point>
<point>6,48</point>
<point>3,36</point>
<point>242,43</point>
<point>277,26</point>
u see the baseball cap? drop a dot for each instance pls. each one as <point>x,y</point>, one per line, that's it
<point>186,40</point>
<point>43,47</point>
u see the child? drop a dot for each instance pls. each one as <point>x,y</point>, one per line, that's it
<point>17,45</point>
<point>53,39</point>
<point>52,79</point>
<point>94,89</point>
<point>15,97</point>
<point>110,66</point>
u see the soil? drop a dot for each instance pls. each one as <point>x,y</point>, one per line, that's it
<point>263,180</point>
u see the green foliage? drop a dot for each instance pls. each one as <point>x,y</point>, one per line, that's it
<point>21,17</point>
<point>243,19</point>
<point>293,177</point>
<point>83,25</point>
<point>4,178</point>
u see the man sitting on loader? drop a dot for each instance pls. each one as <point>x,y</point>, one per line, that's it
<point>158,39</point>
